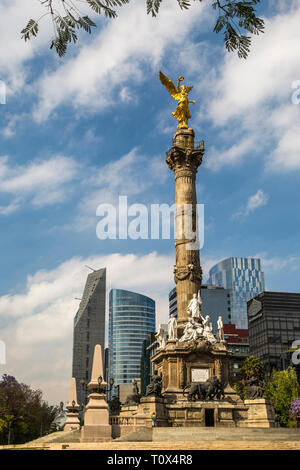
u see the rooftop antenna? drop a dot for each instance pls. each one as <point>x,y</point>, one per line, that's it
<point>94,270</point>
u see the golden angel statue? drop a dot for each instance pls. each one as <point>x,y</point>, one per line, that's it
<point>181,94</point>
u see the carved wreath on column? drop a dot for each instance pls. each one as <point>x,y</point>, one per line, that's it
<point>190,271</point>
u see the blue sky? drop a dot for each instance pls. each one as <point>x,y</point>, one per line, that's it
<point>82,130</point>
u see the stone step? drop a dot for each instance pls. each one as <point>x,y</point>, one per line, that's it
<point>142,435</point>
<point>225,434</point>
<point>199,434</point>
<point>59,437</point>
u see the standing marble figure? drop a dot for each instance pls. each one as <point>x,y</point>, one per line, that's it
<point>220,329</point>
<point>172,325</point>
<point>194,307</point>
<point>161,337</point>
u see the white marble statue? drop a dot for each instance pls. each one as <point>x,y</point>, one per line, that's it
<point>172,325</point>
<point>161,337</point>
<point>194,307</point>
<point>189,332</point>
<point>207,331</point>
<point>220,329</point>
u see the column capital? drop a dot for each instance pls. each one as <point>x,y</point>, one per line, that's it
<point>185,160</point>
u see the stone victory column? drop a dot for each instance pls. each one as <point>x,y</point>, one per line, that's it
<point>196,355</point>
<point>184,159</point>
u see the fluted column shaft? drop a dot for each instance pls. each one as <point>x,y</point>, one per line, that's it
<point>184,160</point>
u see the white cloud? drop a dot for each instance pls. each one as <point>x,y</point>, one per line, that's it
<point>41,182</point>
<point>286,156</point>
<point>128,176</point>
<point>116,57</point>
<point>257,200</point>
<point>10,208</point>
<point>38,331</point>
<point>14,52</point>
<point>267,73</point>
<point>277,263</point>
<point>216,158</point>
<point>260,198</point>
<point>252,99</point>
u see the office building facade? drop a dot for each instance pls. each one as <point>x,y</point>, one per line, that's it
<point>274,325</point>
<point>131,320</point>
<point>89,330</point>
<point>244,278</point>
<point>238,342</point>
<point>216,301</point>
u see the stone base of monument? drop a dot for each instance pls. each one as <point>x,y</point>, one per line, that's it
<point>96,420</point>
<point>96,433</point>
<point>144,411</point>
<point>205,414</point>
<point>72,422</point>
<point>184,368</point>
<point>179,412</point>
<point>260,414</point>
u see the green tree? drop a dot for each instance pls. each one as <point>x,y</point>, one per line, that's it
<point>24,408</point>
<point>252,366</point>
<point>282,389</point>
<point>236,19</point>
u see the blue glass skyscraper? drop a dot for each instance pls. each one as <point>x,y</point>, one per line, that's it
<point>244,278</point>
<point>131,320</point>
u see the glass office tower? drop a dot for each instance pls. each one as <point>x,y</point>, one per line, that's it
<point>244,278</point>
<point>131,320</point>
<point>89,330</point>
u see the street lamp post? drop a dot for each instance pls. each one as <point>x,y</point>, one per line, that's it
<point>9,427</point>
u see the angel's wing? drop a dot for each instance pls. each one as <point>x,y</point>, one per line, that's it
<point>169,85</point>
<point>189,88</point>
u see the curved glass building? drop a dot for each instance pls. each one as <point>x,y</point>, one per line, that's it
<point>244,278</point>
<point>131,320</point>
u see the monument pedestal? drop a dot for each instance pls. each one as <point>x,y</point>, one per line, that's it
<point>260,414</point>
<point>96,420</point>
<point>150,405</point>
<point>182,363</point>
<point>72,421</point>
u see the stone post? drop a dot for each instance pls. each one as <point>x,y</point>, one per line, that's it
<point>72,420</point>
<point>184,160</point>
<point>96,418</point>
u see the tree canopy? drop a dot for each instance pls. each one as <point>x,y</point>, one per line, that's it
<point>252,366</point>
<point>236,19</point>
<point>23,410</point>
<point>282,389</point>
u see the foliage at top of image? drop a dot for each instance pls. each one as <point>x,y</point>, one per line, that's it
<point>236,19</point>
